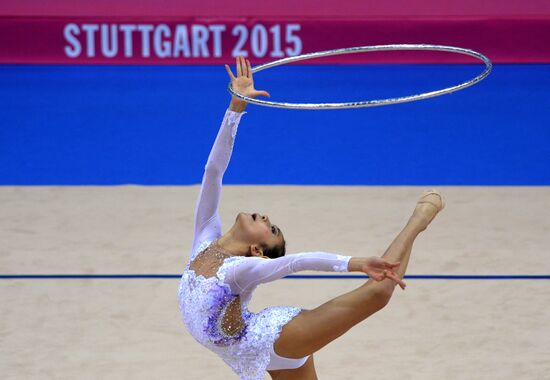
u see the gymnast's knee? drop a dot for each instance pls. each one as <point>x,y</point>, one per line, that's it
<point>381,294</point>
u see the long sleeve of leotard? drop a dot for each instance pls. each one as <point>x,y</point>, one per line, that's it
<point>207,219</point>
<point>249,272</point>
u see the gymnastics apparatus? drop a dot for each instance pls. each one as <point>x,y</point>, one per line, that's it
<point>224,270</point>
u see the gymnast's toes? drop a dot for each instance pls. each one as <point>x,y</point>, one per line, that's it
<point>429,205</point>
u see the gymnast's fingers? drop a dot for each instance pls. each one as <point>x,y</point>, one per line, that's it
<point>229,72</point>
<point>243,66</point>
<point>262,93</point>
<point>392,265</point>
<point>248,69</point>
<point>396,278</point>
<point>239,67</point>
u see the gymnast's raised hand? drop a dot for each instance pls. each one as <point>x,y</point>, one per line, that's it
<point>243,84</point>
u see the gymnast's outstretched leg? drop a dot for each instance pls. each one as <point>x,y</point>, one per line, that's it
<point>311,330</point>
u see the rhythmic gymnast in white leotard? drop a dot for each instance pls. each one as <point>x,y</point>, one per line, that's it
<point>224,270</point>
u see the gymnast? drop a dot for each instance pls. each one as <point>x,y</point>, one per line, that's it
<point>224,270</point>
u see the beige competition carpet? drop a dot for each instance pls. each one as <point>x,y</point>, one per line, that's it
<point>131,328</point>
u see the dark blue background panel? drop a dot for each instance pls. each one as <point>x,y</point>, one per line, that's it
<point>154,125</point>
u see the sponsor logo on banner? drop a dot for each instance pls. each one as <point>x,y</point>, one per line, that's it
<point>180,40</point>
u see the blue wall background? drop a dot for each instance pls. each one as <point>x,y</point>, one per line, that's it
<point>154,125</point>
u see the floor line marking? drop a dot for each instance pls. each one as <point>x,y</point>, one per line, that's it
<point>294,276</point>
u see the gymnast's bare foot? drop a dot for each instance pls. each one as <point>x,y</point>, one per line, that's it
<point>428,206</point>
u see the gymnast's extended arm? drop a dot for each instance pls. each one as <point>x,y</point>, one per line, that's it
<point>249,272</point>
<point>207,219</point>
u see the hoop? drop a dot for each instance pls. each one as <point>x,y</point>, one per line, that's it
<point>367,103</point>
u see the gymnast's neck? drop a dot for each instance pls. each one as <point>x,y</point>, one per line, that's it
<point>234,245</point>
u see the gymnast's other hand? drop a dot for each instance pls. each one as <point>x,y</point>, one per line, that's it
<point>243,84</point>
<point>379,269</point>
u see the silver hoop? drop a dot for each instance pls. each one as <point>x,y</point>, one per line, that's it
<point>367,103</point>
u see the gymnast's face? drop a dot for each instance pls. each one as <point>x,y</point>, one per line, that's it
<point>256,229</point>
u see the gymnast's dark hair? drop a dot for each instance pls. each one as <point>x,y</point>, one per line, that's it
<point>275,251</point>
